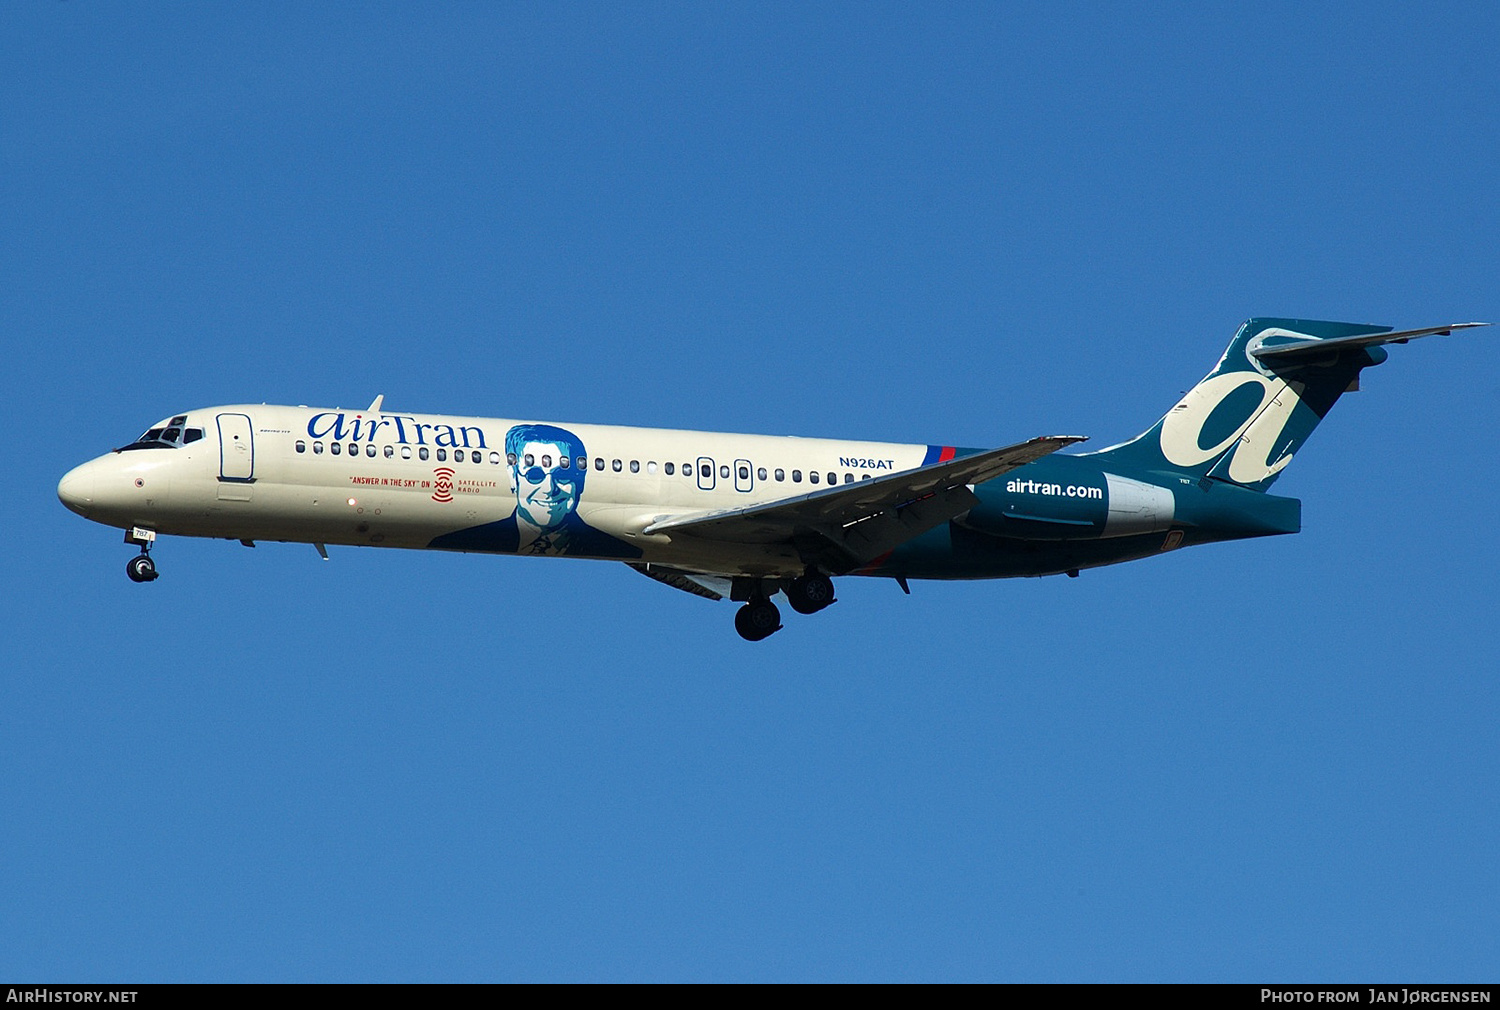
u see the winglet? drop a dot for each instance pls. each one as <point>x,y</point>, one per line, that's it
<point>375,405</point>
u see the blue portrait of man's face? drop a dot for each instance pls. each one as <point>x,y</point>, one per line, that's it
<point>546,491</point>
<point>545,473</point>
<point>548,470</point>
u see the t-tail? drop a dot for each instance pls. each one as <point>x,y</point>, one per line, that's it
<point>1246,420</point>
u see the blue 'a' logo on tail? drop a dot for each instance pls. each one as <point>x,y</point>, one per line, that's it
<point>1247,418</point>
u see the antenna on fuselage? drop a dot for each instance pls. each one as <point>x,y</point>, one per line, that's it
<point>375,404</point>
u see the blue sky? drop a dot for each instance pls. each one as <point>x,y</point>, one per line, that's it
<point>964,224</point>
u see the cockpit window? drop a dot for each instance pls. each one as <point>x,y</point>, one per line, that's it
<point>168,435</point>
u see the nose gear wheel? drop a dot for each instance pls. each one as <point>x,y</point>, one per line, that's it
<point>141,568</point>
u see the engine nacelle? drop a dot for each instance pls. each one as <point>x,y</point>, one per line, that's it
<point>1076,506</point>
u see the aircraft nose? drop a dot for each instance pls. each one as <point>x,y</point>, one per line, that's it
<point>76,489</point>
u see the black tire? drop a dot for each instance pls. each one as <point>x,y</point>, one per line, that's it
<point>810,593</point>
<point>757,619</point>
<point>141,568</point>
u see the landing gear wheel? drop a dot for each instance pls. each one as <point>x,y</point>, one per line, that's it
<point>810,593</point>
<point>141,568</point>
<point>757,619</point>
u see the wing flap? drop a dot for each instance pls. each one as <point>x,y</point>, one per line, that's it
<point>699,585</point>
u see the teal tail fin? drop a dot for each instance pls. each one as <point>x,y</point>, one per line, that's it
<point>1248,417</point>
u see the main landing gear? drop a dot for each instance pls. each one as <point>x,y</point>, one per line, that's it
<point>811,593</point>
<point>141,568</point>
<point>759,618</point>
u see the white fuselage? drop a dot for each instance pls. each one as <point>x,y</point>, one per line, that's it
<point>333,476</point>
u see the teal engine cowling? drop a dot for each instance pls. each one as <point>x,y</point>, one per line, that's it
<point>1061,499</point>
<point>1067,498</point>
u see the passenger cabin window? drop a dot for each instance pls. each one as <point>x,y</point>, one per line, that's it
<point>744,473</point>
<point>706,471</point>
<point>336,447</point>
<point>301,445</point>
<point>598,462</point>
<point>406,452</point>
<point>796,476</point>
<point>370,450</point>
<point>442,455</point>
<point>421,452</point>
<point>760,473</point>
<point>390,452</point>
<point>635,466</point>
<point>667,468</point>
<point>317,448</point>
<point>813,476</point>
<point>724,471</point>
<point>616,466</point>
<point>780,474</point>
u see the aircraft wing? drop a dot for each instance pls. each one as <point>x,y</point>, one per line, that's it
<point>1293,350</point>
<point>850,524</point>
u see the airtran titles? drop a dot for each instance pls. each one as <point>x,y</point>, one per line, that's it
<point>400,428</point>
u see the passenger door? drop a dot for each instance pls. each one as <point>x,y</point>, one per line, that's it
<point>236,449</point>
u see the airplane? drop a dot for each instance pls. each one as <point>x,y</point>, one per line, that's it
<point>747,517</point>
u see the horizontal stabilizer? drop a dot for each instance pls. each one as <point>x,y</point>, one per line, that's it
<point>1290,348</point>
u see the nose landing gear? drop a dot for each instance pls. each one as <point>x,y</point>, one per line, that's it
<point>141,568</point>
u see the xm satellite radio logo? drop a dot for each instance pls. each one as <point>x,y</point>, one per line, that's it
<point>442,484</point>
